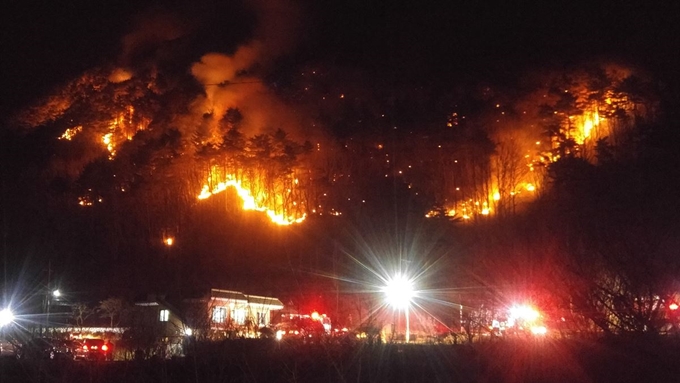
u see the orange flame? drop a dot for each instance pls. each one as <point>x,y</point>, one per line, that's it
<point>249,201</point>
<point>121,128</point>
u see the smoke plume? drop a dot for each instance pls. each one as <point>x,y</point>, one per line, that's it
<point>235,81</point>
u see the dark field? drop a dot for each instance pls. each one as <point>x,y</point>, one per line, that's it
<point>617,360</point>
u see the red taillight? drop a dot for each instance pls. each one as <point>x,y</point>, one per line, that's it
<point>105,347</point>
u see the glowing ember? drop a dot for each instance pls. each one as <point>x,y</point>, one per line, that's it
<point>71,132</point>
<point>88,200</point>
<point>107,139</point>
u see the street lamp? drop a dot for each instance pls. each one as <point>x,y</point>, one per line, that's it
<point>398,293</point>
<point>54,294</point>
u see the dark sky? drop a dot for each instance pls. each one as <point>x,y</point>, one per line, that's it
<point>44,43</point>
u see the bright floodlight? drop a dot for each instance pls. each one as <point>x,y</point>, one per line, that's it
<point>398,291</point>
<point>6,317</point>
<point>524,312</point>
<point>56,293</point>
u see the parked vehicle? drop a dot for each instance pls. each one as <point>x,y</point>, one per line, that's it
<point>304,329</point>
<point>73,347</point>
<point>93,349</point>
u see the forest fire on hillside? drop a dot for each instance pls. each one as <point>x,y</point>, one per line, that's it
<point>248,138</point>
<point>568,115</point>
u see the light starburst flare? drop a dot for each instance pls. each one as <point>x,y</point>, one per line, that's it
<point>399,291</point>
<point>6,317</point>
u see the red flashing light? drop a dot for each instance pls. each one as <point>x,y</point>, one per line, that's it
<point>673,306</point>
<point>105,347</point>
<point>315,315</point>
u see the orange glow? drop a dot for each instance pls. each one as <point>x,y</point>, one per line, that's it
<point>169,241</point>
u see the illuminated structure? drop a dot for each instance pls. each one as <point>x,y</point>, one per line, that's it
<point>235,309</point>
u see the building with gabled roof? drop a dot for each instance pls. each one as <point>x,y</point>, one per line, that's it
<point>234,310</point>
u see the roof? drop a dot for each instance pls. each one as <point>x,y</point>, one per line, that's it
<point>265,301</point>
<point>227,294</point>
<point>272,302</point>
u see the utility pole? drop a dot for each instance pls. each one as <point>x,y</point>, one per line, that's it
<point>5,265</point>
<point>460,305</point>
<point>48,295</point>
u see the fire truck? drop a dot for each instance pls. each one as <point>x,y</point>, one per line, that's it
<point>312,326</point>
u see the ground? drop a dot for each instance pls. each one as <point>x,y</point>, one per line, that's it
<point>613,360</point>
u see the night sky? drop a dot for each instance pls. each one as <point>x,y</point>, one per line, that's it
<point>46,43</point>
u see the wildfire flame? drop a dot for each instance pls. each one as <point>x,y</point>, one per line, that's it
<point>586,124</point>
<point>122,128</point>
<point>249,201</point>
